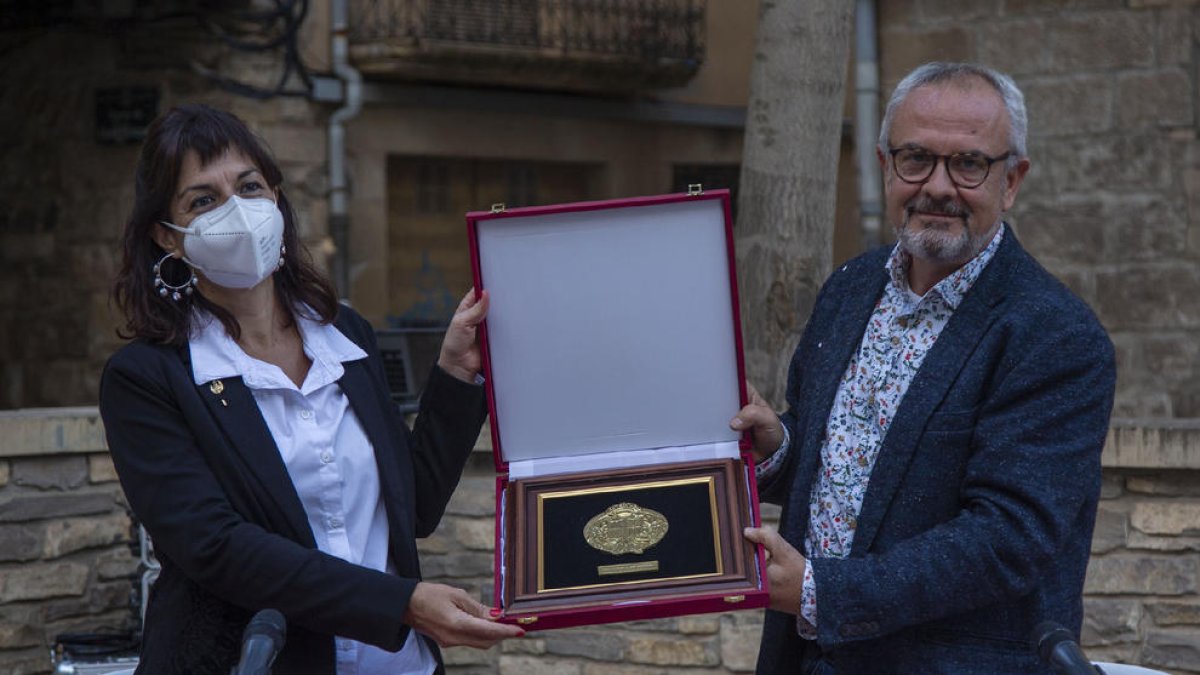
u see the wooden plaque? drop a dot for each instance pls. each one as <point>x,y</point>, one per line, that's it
<point>627,534</point>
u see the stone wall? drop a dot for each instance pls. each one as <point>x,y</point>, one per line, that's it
<point>65,561</point>
<point>1112,203</point>
<point>65,565</point>
<point>65,194</point>
<point>1142,596</point>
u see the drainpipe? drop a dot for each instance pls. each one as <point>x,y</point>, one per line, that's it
<point>339,219</point>
<point>866,128</point>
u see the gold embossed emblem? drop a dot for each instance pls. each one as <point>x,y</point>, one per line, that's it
<point>625,528</point>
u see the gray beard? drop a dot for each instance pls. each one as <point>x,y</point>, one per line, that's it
<point>938,245</point>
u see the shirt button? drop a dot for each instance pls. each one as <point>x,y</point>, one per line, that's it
<point>306,414</point>
<point>335,523</point>
<point>326,457</point>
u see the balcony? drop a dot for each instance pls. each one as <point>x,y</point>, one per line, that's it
<point>579,45</point>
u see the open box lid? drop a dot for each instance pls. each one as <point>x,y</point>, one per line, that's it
<point>613,331</point>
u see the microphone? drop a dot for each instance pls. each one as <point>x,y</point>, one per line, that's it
<point>1057,647</point>
<point>261,643</point>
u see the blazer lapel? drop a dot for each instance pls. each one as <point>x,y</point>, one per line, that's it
<point>233,406</point>
<point>364,399</point>
<point>938,372</point>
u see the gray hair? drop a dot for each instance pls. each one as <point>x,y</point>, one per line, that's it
<point>940,71</point>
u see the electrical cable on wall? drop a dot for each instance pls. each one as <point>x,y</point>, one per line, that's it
<point>250,31</point>
<point>259,32</point>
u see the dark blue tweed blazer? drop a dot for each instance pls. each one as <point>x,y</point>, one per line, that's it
<point>977,523</point>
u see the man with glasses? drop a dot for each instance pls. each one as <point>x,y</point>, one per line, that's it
<point>939,461</point>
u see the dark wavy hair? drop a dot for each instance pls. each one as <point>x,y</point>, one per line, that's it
<point>208,132</point>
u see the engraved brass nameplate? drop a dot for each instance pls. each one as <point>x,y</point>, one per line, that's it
<point>625,528</point>
<point>627,568</point>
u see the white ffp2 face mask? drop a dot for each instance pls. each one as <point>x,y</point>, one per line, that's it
<point>237,244</point>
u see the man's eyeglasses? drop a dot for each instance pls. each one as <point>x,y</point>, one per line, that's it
<point>966,169</point>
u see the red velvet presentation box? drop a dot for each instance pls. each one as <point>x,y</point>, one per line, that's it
<point>613,360</point>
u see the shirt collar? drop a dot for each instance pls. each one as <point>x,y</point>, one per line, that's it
<point>952,288</point>
<point>215,355</point>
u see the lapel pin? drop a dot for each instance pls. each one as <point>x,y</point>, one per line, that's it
<point>225,403</point>
<point>216,386</point>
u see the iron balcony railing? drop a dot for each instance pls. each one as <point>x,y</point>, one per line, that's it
<point>571,43</point>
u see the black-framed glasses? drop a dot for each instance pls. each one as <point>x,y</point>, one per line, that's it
<point>966,169</point>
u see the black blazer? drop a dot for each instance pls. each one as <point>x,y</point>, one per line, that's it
<point>202,473</point>
<point>977,522</point>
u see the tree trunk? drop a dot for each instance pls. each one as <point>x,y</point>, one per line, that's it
<point>788,185</point>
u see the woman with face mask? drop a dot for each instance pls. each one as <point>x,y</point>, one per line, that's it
<point>250,423</point>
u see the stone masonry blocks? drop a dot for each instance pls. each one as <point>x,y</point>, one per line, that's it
<point>1068,231</point>
<point>593,644</point>
<point>20,626</point>
<point>1090,166</point>
<point>1141,575</point>
<point>1173,649</point>
<point>20,542</point>
<point>1139,541</point>
<point>896,12</point>
<point>698,624</point>
<point>908,48</point>
<point>1165,484</point>
<point>957,10</point>
<point>458,564</point>
<point>626,669</point>
<point>1171,356</point>
<point>1171,612</point>
<point>99,597</point>
<point>1112,526</point>
<point>1149,297</point>
<point>475,496</point>
<point>35,507</point>
<point>295,144</point>
<point>1107,621</point>
<point>1069,106</point>
<point>477,534</point>
<point>43,581</point>
<point>667,650</point>
<point>739,642</point>
<point>527,665</point>
<point>457,657</point>
<point>1101,40</point>
<point>1015,47</point>
<point>51,473</point>
<point>1161,98</point>
<point>1174,42</point>
<point>1191,186</point>
<point>1027,7</point>
<point>1144,4</point>
<point>75,534</point>
<point>1173,517</point>
<point>1144,227</point>
<point>101,469</point>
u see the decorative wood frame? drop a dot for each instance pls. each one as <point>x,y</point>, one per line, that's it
<point>732,558</point>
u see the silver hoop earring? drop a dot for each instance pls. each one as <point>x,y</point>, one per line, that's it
<point>177,292</point>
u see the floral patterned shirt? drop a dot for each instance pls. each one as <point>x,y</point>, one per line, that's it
<point>902,329</point>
